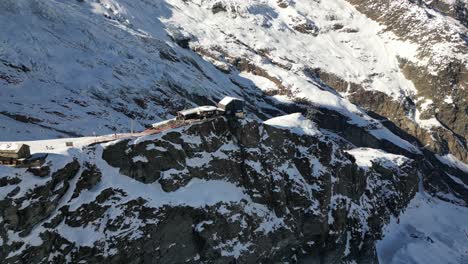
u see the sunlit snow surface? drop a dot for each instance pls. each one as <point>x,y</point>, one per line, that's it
<point>452,161</point>
<point>297,123</point>
<point>430,231</point>
<point>85,69</point>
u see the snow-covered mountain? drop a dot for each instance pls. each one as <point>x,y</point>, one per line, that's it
<point>383,80</point>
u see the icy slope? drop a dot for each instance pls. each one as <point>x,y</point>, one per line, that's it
<point>340,41</point>
<point>71,67</point>
<point>429,231</point>
<point>330,35</point>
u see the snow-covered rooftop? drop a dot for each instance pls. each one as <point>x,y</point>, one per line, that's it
<point>10,147</point>
<point>226,100</point>
<point>366,156</point>
<point>297,123</point>
<point>195,110</point>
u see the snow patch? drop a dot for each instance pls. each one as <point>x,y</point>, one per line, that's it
<point>365,157</point>
<point>452,161</point>
<point>448,99</point>
<point>297,123</point>
<point>140,158</point>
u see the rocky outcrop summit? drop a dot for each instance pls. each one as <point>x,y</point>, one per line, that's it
<point>220,191</point>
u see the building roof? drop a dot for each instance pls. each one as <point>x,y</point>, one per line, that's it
<point>195,110</point>
<point>10,147</point>
<point>226,100</point>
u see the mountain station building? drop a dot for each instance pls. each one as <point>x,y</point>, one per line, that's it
<point>232,106</point>
<point>14,153</point>
<point>229,106</point>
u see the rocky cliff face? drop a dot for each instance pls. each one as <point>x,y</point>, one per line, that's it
<point>215,192</point>
<point>439,73</point>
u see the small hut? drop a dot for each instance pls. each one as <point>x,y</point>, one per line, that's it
<point>232,106</point>
<point>14,153</point>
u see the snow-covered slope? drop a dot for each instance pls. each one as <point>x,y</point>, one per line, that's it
<point>340,41</point>
<point>67,68</point>
<point>78,68</point>
<point>76,71</point>
<point>386,81</point>
<point>428,231</point>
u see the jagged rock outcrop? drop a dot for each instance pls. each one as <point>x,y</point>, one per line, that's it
<point>215,192</point>
<point>440,140</point>
<point>443,79</point>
